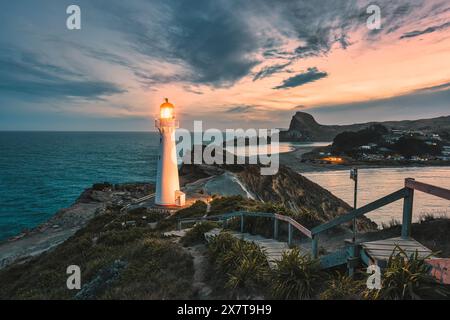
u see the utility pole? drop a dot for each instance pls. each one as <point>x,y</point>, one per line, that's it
<point>354,177</point>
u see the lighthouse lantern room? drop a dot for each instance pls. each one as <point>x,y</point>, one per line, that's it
<point>167,182</point>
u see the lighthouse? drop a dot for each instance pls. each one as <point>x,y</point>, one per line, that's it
<point>167,183</point>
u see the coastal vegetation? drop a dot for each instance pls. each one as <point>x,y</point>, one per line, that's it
<point>132,252</point>
<point>295,276</point>
<point>117,262</point>
<point>196,235</point>
<point>242,268</point>
<point>238,265</point>
<point>407,277</point>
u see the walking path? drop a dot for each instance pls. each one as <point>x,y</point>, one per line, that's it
<point>274,249</point>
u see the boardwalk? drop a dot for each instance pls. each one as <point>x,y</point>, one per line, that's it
<point>380,251</point>
<point>274,249</point>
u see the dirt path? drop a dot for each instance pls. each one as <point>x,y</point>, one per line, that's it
<point>198,252</point>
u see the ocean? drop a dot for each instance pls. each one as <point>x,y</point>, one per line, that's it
<point>42,172</point>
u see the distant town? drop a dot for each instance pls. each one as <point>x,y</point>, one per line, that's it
<point>378,144</point>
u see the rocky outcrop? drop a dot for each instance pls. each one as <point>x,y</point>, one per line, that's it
<point>304,127</point>
<point>287,187</point>
<point>299,194</point>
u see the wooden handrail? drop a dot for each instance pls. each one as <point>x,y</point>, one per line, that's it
<point>428,188</point>
<point>397,195</point>
<point>287,219</point>
<point>295,224</point>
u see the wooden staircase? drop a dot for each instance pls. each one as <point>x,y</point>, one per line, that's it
<point>353,254</point>
<point>272,248</point>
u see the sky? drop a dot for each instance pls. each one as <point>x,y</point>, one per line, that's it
<point>229,63</point>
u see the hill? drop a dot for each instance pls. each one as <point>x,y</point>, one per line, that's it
<point>304,127</point>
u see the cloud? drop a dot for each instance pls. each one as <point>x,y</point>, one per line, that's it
<point>240,109</point>
<point>431,29</point>
<point>311,75</point>
<point>427,102</point>
<point>440,87</point>
<point>25,74</point>
<point>220,42</point>
<point>270,70</point>
<point>209,38</point>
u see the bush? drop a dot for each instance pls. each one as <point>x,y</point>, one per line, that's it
<point>243,264</point>
<point>196,235</point>
<point>407,278</point>
<point>295,276</point>
<point>197,209</point>
<point>342,287</point>
<point>227,204</point>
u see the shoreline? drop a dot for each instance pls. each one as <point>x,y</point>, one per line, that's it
<point>292,159</point>
<point>67,221</point>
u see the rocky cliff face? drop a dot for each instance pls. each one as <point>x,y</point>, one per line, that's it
<point>289,188</point>
<point>299,194</point>
<point>304,127</point>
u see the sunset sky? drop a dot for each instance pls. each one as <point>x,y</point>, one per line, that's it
<point>229,63</point>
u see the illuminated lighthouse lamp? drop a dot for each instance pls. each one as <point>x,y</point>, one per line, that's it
<point>167,182</point>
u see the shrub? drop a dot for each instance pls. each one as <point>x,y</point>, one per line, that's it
<point>243,264</point>
<point>197,209</point>
<point>407,278</point>
<point>196,235</point>
<point>342,287</point>
<point>227,204</point>
<point>295,276</point>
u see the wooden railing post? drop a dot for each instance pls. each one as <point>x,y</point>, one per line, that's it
<point>289,234</point>
<point>242,223</point>
<point>315,246</point>
<point>275,228</point>
<point>407,211</point>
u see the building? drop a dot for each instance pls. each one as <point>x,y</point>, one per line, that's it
<point>167,181</point>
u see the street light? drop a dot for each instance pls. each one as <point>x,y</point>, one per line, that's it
<point>354,177</point>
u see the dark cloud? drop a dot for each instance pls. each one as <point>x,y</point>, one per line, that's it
<point>417,33</point>
<point>217,40</point>
<point>427,102</point>
<point>24,74</point>
<point>440,87</point>
<point>240,109</point>
<point>270,70</point>
<point>311,75</point>
<point>210,37</point>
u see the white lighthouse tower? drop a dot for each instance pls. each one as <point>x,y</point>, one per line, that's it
<point>167,183</point>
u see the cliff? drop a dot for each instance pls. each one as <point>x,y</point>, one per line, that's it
<point>304,127</point>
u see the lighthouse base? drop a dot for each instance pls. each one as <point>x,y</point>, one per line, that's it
<point>180,200</point>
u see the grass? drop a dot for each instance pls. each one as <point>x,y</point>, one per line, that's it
<point>242,268</point>
<point>237,265</point>
<point>391,224</point>
<point>407,277</point>
<point>295,276</point>
<point>197,209</point>
<point>155,268</point>
<point>196,235</point>
<point>342,287</point>
<point>262,226</point>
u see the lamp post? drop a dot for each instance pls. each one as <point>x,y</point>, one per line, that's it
<point>354,177</point>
